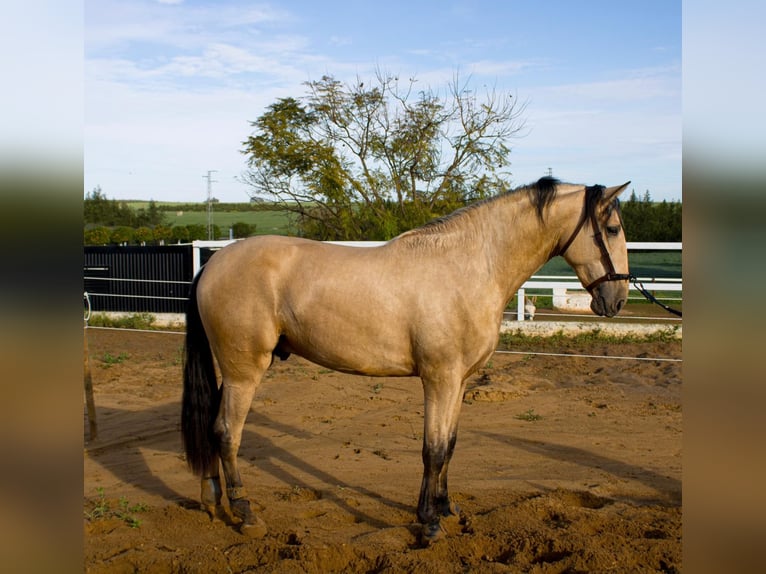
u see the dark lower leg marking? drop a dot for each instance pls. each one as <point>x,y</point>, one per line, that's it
<point>434,502</point>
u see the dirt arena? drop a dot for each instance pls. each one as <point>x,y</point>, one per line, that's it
<point>562,465</point>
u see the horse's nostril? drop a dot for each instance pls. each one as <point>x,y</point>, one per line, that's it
<point>620,304</point>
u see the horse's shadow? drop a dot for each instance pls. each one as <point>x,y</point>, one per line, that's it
<point>121,455</point>
<point>668,487</point>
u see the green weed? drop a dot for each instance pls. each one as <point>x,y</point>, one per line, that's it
<point>529,415</point>
<point>102,509</point>
<point>132,321</point>
<point>595,335</point>
<point>108,359</point>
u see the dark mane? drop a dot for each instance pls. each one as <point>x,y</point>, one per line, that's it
<point>542,192</point>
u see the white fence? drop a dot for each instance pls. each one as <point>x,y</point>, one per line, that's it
<point>556,284</point>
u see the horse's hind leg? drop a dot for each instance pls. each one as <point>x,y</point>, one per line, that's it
<point>211,493</point>
<point>237,395</point>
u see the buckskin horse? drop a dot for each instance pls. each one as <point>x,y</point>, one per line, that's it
<point>427,303</point>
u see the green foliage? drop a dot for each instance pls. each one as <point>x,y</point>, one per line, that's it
<point>103,509</point>
<point>162,234</point>
<point>368,162</point>
<point>197,231</point>
<point>108,359</point>
<point>98,210</point>
<point>241,229</point>
<point>122,234</point>
<point>143,235</point>
<point>646,220</point>
<point>97,236</point>
<point>529,416</point>
<point>179,233</point>
<point>518,339</point>
<point>110,221</point>
<point>132,321</point>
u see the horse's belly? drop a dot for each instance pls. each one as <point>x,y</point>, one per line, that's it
<point>350,353</point>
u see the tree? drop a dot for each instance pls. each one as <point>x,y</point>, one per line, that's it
<point>162,233</point>
<point>143,234</point>
<point>97,236</point>
<point>646,220</point>
<point>368,162</point>
<point>197,231</point>
<point>241,229</point>
<point>179,233</point>
<point>99,210</point>
<point>122,235</point>
<point>149,216</point>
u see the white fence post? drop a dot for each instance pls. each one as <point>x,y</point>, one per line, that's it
<point>520,298</point>
<point>195,259</point>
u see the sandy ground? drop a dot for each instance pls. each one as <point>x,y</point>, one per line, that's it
<point>592,485</point>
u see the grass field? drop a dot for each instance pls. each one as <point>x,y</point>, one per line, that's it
<point>266,222</point>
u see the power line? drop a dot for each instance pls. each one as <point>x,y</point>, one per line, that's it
<point>210,182</point>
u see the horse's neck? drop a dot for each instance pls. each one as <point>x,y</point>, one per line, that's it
<point>520,242</point>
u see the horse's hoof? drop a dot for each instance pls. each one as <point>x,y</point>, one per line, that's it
<point>216,513</point>
<point>454,509</point>
<point>431,533</point>
<point>254,529</point>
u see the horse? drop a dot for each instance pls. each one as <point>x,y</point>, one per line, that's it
<point>427,303</point>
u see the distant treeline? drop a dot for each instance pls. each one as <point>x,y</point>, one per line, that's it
<point>112,221</point>
<point>99,210</point>
<point>647,220</point>
<point>220,206</point>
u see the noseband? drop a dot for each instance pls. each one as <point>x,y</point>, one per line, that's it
<point>610,275</point>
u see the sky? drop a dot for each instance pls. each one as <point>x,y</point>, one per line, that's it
<point>171,86</point>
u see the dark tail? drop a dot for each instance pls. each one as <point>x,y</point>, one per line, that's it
<point>201,396</point>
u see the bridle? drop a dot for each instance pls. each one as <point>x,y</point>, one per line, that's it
<point>611,274</point>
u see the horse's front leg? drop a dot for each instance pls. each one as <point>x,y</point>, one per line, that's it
<point>442,409</point>
<point>235,404</point>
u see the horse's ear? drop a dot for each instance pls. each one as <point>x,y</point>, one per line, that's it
<point>611,193</point>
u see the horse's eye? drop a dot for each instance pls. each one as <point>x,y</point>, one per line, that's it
<point>613,229</point>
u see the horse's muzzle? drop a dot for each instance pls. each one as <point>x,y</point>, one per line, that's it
<point>600,307</point>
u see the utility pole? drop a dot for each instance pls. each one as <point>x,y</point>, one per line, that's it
<point>550,172</point>
<point>210,182</point>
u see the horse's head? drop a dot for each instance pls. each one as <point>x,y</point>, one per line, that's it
<point>597,251</point>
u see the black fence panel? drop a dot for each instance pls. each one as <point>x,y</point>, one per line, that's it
<point>205,253</point>
<point>135,279</point>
